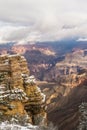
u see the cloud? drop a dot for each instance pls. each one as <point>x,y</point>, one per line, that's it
<point>42,20</point>
<point>82,39</point>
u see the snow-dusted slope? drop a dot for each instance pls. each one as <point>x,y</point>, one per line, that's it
<point>7,126</point>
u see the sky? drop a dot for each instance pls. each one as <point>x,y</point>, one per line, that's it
<point>25,21</point>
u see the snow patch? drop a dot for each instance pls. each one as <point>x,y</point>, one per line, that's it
<point>7,126</point>
<point>44,97</point>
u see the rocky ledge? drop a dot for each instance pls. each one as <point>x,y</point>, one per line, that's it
<point>20,97</point>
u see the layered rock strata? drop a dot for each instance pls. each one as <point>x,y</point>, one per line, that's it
<point>19,94</point>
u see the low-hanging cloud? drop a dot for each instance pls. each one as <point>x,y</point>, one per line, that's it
<point>42,20</point>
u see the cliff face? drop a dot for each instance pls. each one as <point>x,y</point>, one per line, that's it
<point>19,94</point>
<point>74,63</point>
<point>69,91</point>
<point>66,74</point>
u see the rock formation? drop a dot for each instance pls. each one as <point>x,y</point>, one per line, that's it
<point>19,94</point>
<point>83,116</point>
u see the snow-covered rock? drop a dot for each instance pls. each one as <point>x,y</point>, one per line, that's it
<point>19,93</point>
<point>8,126</point>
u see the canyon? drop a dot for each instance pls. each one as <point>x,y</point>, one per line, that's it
<point>61,73</point>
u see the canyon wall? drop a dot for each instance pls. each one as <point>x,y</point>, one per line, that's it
<point>20,97</point>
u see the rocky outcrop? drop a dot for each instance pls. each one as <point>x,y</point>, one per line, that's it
<point>83,116</point>
<point>19,94</point>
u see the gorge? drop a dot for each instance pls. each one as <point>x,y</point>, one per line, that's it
<point>61,74</point>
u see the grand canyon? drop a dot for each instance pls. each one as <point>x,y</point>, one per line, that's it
<point>60,69</point>
<point>43,65</point>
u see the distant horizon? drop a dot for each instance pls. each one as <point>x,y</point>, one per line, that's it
<point>63,41</point>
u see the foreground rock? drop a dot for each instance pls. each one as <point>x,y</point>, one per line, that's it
<point>20,97</point>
